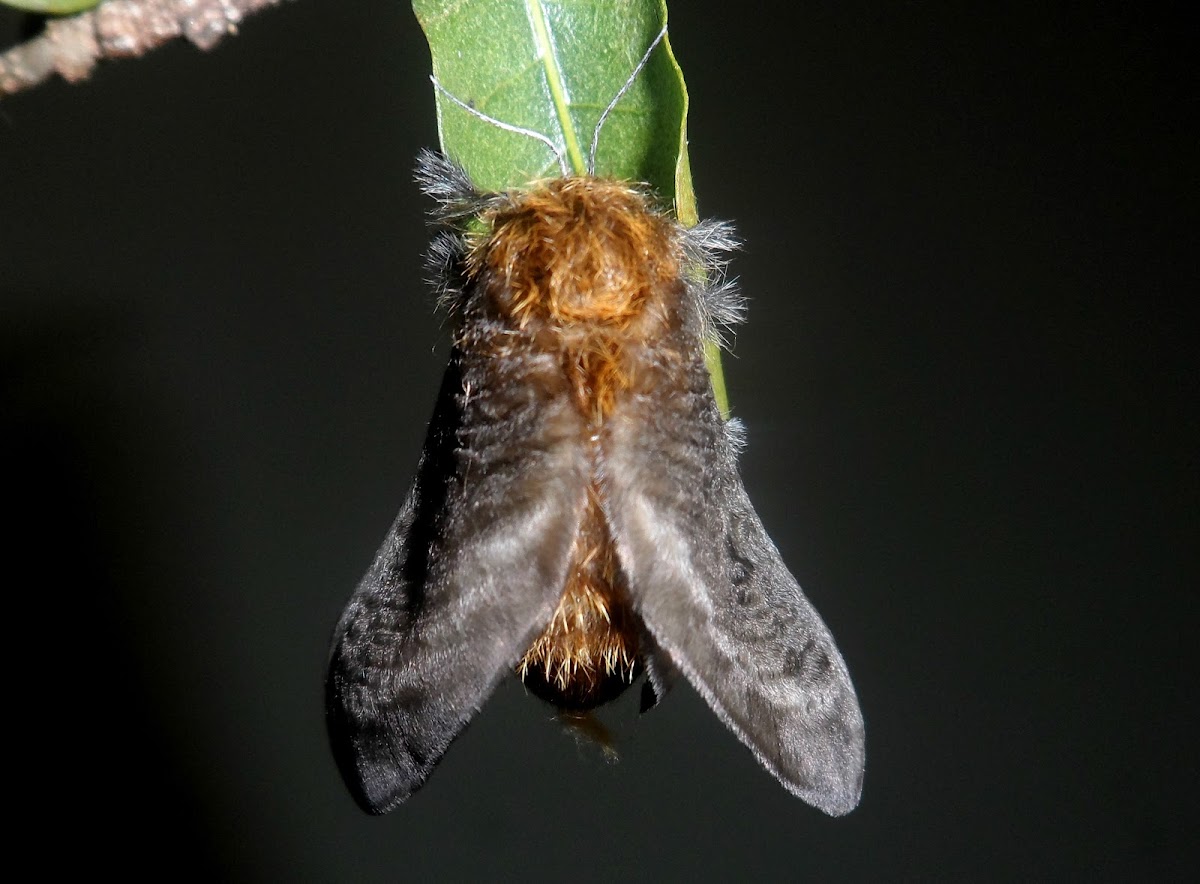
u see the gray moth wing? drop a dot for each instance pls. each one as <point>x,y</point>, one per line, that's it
<point>465,579</point>
<point>714,592</point>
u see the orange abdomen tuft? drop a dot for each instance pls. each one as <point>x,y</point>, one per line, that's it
<point>588,653</point>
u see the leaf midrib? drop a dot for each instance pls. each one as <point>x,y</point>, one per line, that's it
<point>558,86</point>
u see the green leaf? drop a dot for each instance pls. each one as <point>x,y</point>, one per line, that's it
<point>52,7</point>
<point>552,67</point>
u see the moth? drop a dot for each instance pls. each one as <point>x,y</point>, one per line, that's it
<point>577,516</point>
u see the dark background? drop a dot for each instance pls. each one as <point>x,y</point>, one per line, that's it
<point>967,378</point>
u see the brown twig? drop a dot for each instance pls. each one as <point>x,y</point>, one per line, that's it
<point>118,29</point>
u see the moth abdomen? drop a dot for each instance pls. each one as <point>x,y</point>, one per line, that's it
<point>589,651</point>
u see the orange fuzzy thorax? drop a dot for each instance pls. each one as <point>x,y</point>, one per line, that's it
<point>590,260</point>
